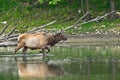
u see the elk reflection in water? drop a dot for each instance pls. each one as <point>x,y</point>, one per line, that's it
<point>39,70</point>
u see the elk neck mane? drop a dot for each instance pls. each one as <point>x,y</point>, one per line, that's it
<point>52,40</point>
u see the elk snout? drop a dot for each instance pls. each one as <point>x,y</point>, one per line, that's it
<point>64,38</point>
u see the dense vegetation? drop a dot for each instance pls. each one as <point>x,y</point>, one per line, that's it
<point>28,14</point>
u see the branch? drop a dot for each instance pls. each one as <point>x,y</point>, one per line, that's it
<point>68,18</point>
<point>74,25</point>
<point>11,31</point>
<point>8,43</point>
<point>4,29</point>
<point>43,26</point>
<point>9,38</point>
<point>14,35</point>
<point>93,20</point>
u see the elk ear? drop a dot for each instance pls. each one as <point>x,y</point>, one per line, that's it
<point>57,34</point>
<point>61,31</point>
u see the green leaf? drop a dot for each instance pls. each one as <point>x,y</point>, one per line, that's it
<point>41,1</point>
<point>53,2</point>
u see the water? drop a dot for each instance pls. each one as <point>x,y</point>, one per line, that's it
<point>67,63</point>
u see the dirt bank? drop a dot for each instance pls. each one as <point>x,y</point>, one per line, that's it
<point>94,39</point>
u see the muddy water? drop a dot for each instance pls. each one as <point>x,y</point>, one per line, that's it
<point>68,63</point>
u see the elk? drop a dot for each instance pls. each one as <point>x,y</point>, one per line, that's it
<point>40,40</point>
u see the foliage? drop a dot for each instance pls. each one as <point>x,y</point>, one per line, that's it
<point>53,2</point>
<point>28,14</point>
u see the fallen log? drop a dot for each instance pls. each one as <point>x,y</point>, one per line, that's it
<point>74,25</point>
<point>10,33</point>
<point>9,38</point>
<point>8,43</point>
<point>93,20</point>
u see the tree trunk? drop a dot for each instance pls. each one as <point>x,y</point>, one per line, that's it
<point>88,17</point>
<point>70,1</point>
<point>82,7</point>
<point>112,5</point>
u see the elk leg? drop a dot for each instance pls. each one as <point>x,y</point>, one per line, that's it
<point>44,54</point>
<point>24,53</point>
<point>20,45</point>
<point>47,53</point>
<point>47,49</point>
<point>16,49</point>
<point>24,50</point>
<point>41,51</point>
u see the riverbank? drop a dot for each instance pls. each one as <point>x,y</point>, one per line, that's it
<point>81,40</point>
<point>94,39</point>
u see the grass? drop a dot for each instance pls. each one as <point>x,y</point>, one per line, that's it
<point>36,18</point>
<point>103,26</point>
<point>28,17</point>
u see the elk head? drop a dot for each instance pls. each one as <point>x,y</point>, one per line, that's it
<point>60,36</point>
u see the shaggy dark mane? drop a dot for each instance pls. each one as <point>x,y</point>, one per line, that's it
<point>52,40</point>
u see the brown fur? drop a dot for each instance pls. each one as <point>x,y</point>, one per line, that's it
<point>39,40</point>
